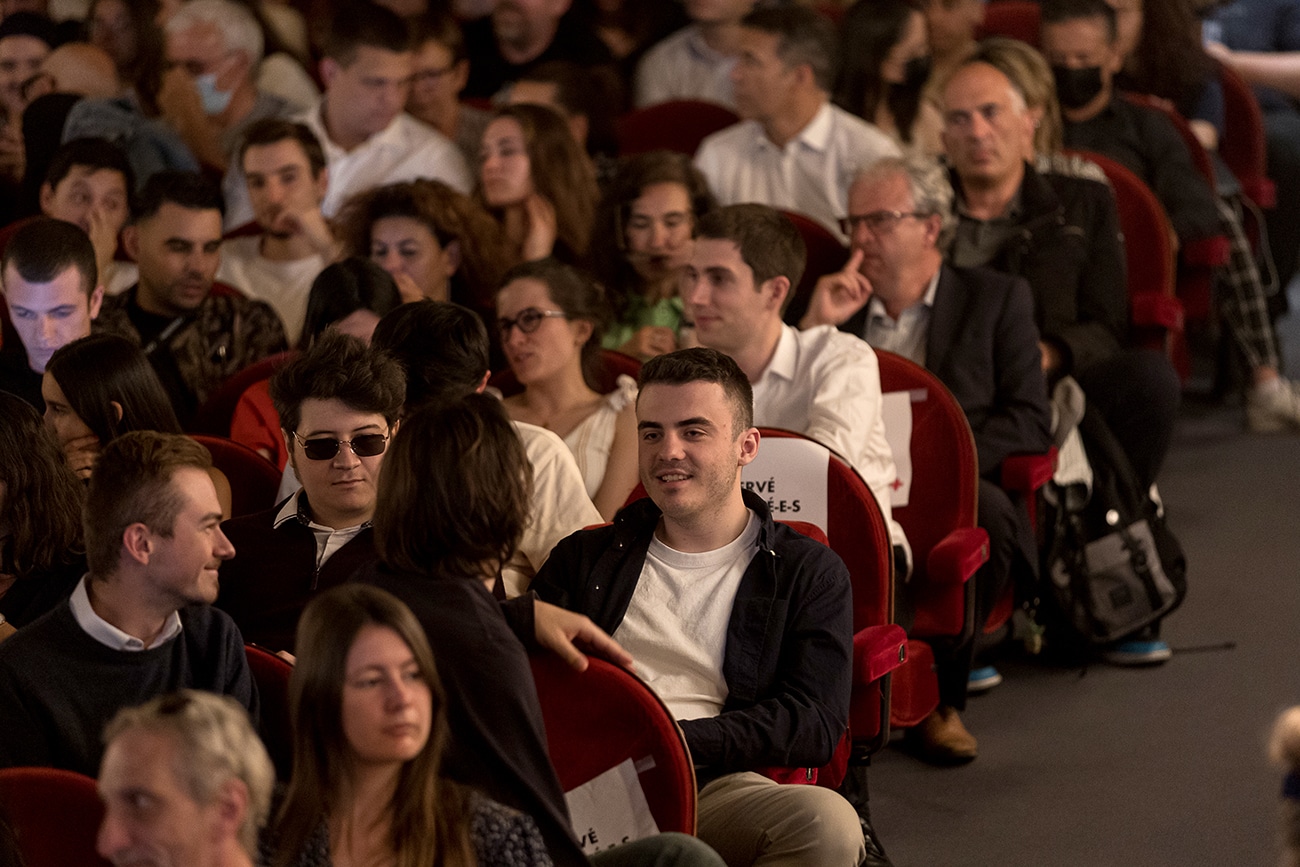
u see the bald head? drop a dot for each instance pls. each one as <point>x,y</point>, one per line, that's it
<point>82,68</point>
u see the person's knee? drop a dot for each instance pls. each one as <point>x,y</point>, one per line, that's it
<point>827,826</point>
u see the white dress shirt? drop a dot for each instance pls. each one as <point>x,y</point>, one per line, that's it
<point>109,635</point>
<point>810,175</point>
<point>405,150</point>
<point>825,384</point>
<point>683,66</point>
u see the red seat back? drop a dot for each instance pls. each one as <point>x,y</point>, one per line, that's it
<point>599,718</point>
<point>55,815</point>
<point>1243,145</point>
<point>678,126</point>
<point>1018,19</point>
<point>826,254</point>
<point>271,673</point>
<point>612,365</point>
<point>213,418</point>
<point>254,481</point>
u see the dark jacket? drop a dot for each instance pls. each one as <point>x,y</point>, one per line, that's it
<point>1069,248</point>
<point>788,662</point>
<point>983,345</point>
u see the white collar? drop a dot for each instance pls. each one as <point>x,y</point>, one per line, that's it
<point>786,357</point>
<point>109,635</point>
<point>876,307</point>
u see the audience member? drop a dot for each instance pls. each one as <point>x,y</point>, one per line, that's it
<point>284,167</point>
<point>89,183</point>
<point>741,625</point>
<point>1284,751</point>
<point>630,27</point>
<point>897,294</point>
<point>1061,233</point>
<point>368,139</point>
<point>444,349</point>
<point>818,382</point>
<point>643,237</point>
<point>140,623</point>
<point>885,70</point>
<point>349,297</point>
<point>794,150</point>
<point>370,720</point>
<point>538,183</point>
<point>950,27</point>
<point>338,403</point>
<point>75,67</point>
<point>41,554</point>
<point>696,61</point>
<point>127,30</point>
<point>518,34</point>
<point>209,91</point>
<point>587,99</point>
<point>436,243</point>
<point>441,74</point>
<point>193,336</point>
<point>25,40</point>
<point>184,780</point>
<point>52,290</point>
<point>452,504</point>
<point>551,317</point>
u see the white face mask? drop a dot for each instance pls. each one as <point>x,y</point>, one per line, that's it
<point>214,101</point>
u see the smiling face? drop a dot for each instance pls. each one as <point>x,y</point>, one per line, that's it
<point>178,250</point>
<point>554,348</point>
<point>183,564</point>
<point>505,171</point>
<point>48,316</point>
<point>404,245</point>
<point>689,453</point>
<point>728,310</point>
<point>658,231</point>
<point>341,490</point>
<point>387,704</point>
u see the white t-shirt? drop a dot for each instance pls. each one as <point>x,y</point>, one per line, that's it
<point>283,285</point>
<point>676,623</point>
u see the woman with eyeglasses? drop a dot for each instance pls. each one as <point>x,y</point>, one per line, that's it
<point>100,387</point>
<point>370,729</point>
<point>550,317</point>
<point>41,552</point>
<point>538,183</point>
<point>643,239</point>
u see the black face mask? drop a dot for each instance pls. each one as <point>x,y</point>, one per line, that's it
<point>916,72</point>
<point>1075,88</point>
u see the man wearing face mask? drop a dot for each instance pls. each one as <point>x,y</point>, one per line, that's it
<point>1079,38</point>
<point>208,92</point>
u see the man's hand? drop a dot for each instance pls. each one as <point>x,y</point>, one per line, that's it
<point>310,225</point>
<point>649,341</point>
<point>543,228</point>
<point>178,99</point>
<point>103,238</point>
<point>562,632</point>
<point>1051,356</point>
<point>838,296</point>
<point>82,453</point>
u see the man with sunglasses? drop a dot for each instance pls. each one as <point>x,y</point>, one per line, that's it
<point>339,405</point>
<point>974,329</point>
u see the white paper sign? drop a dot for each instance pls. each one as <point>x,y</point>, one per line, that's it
<point>610,810</point>
<point>790,474</point>
<point>897,410</point>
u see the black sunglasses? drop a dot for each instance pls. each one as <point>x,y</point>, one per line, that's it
<point>324,449</point>
<point>528,320</point>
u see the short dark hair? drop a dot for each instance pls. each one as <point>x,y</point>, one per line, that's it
<point>95,154</point>
<point>272,130</point>
<point>1064,11</point>
<point>44,248</point>
<point>131,485</point>
<point>704,365</point>
<point>358,23</point>
<point>99,370</point>
<point>578,295</point>
<point>30,24</point>
<point>187,189</point>
<point>442,29</point>
<point>769,243</point>
<point>342,289</point>
<point>455,489</point>
<point>443,346</point>
<point>590,92</point>
<point>339,367</point>
<point>806,36</point>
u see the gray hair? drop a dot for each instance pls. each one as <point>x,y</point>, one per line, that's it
<point>236,23</point>
<point>928,182</point>
<point>215,744</point>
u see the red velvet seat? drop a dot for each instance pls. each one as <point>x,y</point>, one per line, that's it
<point>599,718</point>
<point>1243,145</point>
<point>613,364</point>
<point>254,481</point>
<point>678,126</point>
<point>826,254</point>
<point>55,815</point>
<point>271,673</point>
<point>213,418</point>
<point>940,521</point>
<point>1018,19</point>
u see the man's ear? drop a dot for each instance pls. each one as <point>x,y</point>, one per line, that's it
<point>47,197</point>
<point>96,301</point>
<point>749,445</point>
<point>231,803</point>
<point>482,385</point>
<point>117,409</point>
<point>137,542</point>
<point>329,70</point>
<point>131,241</point>
<point>779,287</point>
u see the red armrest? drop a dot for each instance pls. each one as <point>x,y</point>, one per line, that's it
<point>1259,190</point>
<point>958,555</point>
<point>1025,474</point>
<point>1207,252</point>
<point>877,650</point>
<point>1156,309</point>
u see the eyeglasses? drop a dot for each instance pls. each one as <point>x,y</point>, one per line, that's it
<point>876,221</point>
<point>324,449</point>
<point>427,76</point>
<point>528,320</point>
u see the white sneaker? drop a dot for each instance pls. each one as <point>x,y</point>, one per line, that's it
<point>1274,410</point>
